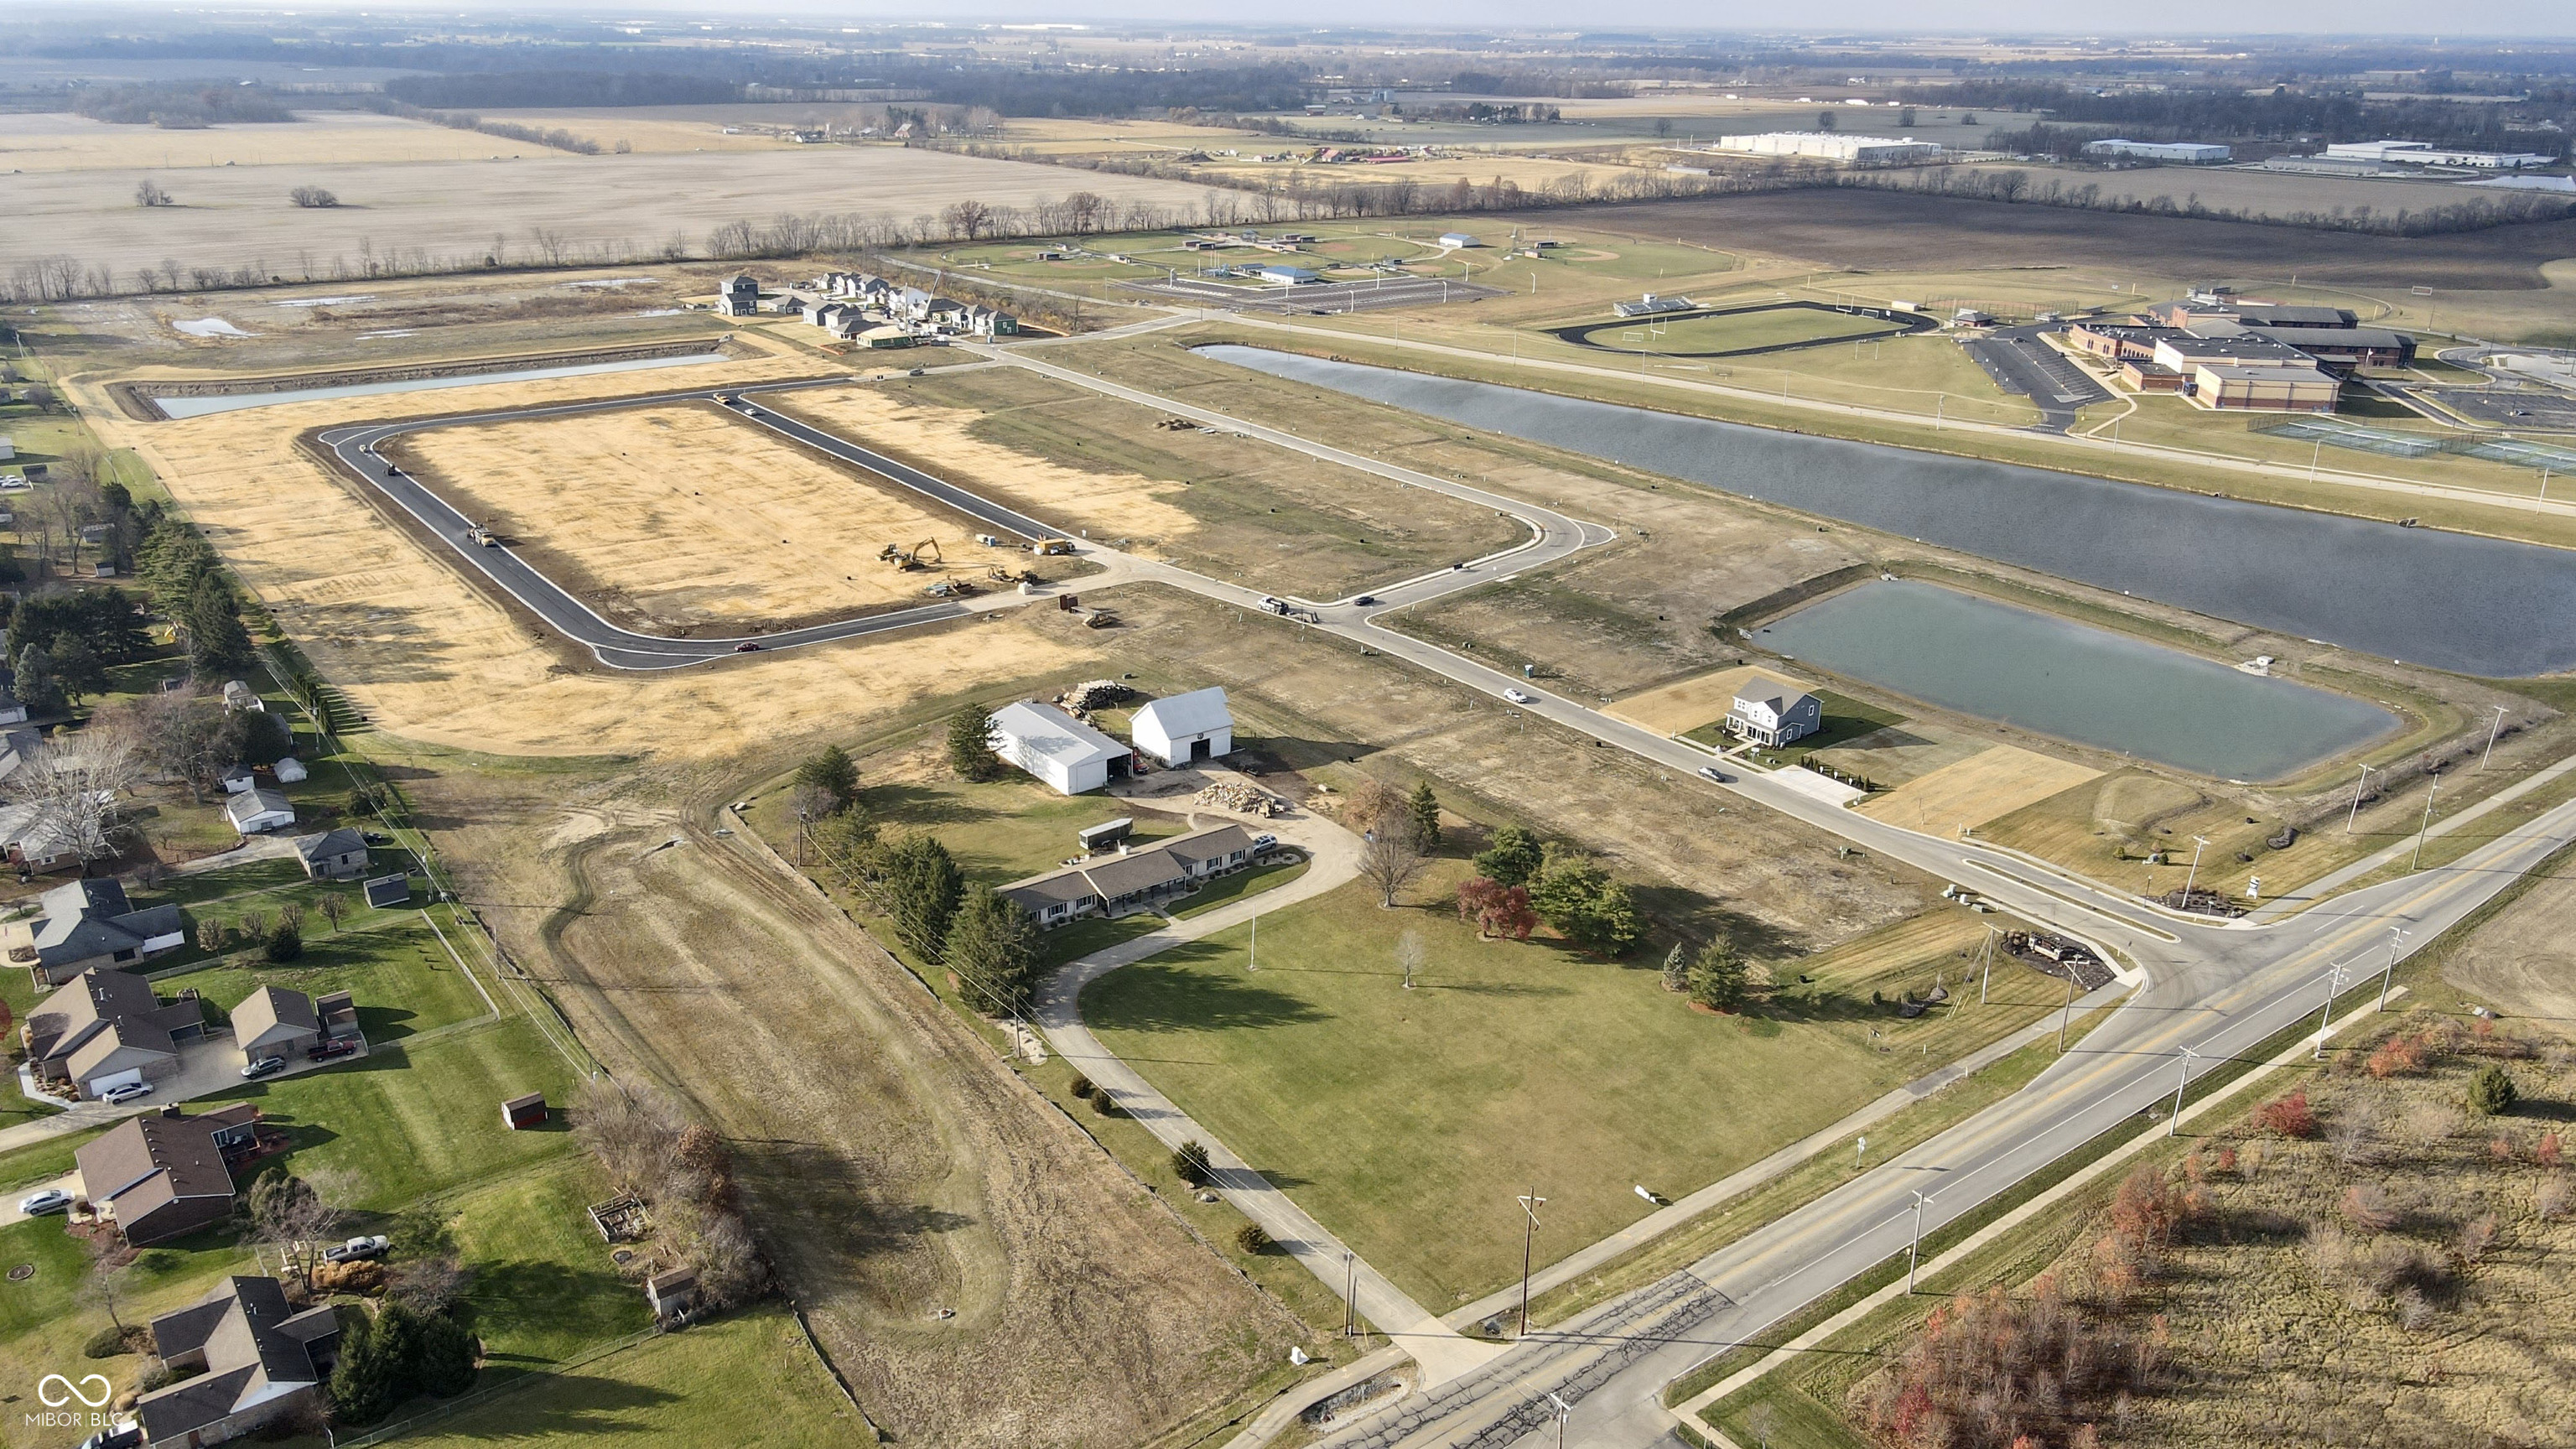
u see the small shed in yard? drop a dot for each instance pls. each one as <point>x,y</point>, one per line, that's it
<point>291,771</point>
<point>1107,832</point>
<point>1185,727</point>
<point>521,1113</point>
<point>338,1013</point>
<point>671,1294</point>
<point>385,892</point>
<point>236,778</point>
<point>256,812</point>
<point>1057,748</point>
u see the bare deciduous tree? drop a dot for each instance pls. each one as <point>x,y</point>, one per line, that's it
<point>295,1215</point>
<point>1408,955</point>
<point>71,789</point>
<point>333,906</point>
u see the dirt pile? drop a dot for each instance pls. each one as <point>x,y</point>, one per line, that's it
<point>1240,798</point>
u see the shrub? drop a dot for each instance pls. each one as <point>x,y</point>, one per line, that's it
<point>2492,1092</point>
<point>1082,1087</point>
<point>1190,1163</point>
<point>2366,1206</point>
<point>2290,1116</point>
<point>1252,1239</point>
<point>2548,1152</point>
<point>1103,1103</point>
<point>312,197</point>
<point>285,943</point>
<point>106,1343</point>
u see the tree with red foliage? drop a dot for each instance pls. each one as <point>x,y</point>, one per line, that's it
<point>1497,909</point>
<point>2290,1116</point>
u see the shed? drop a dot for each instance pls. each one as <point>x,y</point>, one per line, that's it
<point>255,812</point>
<point>339,854</point>
<point>1057,748</point>
<point>8,446</point>
<point>521,1113</point>
<point>671,1294</point>
<point>338,1013</point>
<point>236,778</point>
<point>1456,239</point>
<point>1185,727</point>
<point>1107,832</point>
<point>291,771</point>
<point>385,892</point>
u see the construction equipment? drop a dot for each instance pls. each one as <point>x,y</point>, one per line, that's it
<point>922,555</point>
<point>1100,619</point>
<point>1051,547</point>
<point>950,589</point>
<point>477,533</point>
<point>1001,575</point>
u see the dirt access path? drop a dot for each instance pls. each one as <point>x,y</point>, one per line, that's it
<point>893,1168</point>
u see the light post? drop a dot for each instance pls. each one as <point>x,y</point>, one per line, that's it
<point>1531,1202</point>
<point>1914,1255</point>
<point>1564,1411</point>
<point>2427,827</point>
<point>2362,785</point>
<point>2388,972</point>
<point>2334,985</point>
<point>2493,730</point>
<point>2199,843</point>
<point>2175,1120</point>
<point>2068,1019</point>
<point>1988,978</point>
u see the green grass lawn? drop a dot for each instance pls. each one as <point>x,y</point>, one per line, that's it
<point>410,1122</point>
<point>1093,933</point>
<point>1737,331</point>
<point>40,1161</point>
<point>1407,1121</point>
<point>1845,719</point>
<point>749,1381</point>
<point>1229,889</point>
<point>405,982</point>
<point>544,1287</point>
<point>1000,830</point>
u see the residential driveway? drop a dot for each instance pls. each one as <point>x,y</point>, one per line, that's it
<point>69,1182</point>
<point>205,1068</point>
<point>278,845</point>
<point>1442,1351</point>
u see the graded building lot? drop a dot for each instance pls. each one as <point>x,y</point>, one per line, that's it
<point>628,206</point>
<point>1992,783</point>
<point>2522,961</point>
<point>1219,505</point>
<point>684,518</point>
<point>1686,704</point>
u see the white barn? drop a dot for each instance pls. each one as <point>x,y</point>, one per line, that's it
<point>1185,727</point>
<point>1057,748</point>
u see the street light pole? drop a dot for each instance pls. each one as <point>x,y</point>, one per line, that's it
<point>2492,731</point>
<point>1988,978</point>
<point>2334,986</point>
<point>2068,1019</point>
<point>2175,1120</point>
<point>1530,1204</point>
<point>1914,1255</point>
<point>2358,787</point>
<point>2199,843</point>
<point>2388,973</point>
<point>2427,828</point>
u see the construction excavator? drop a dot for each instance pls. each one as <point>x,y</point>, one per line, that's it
<point>922,555</point>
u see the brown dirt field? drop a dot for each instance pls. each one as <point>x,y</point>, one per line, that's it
<point>1893,231</point>
<point>60,141</point>
<point>1985,786</point>
<point>685,517</point>
<point>2523,960</point>
<point>425,654</point>
<point>892,1166</point>
<point>1687,704</point>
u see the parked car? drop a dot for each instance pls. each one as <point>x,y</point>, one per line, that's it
<point>1712,772</point>
<point>330,1050</point>
<point>51,1200</point>
<point>265,1066</point>
<point>357,1250</point>
<point>127,1093</point>
<point>1520,696</point>
<point>379,838</point>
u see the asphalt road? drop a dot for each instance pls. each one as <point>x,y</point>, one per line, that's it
<point>2020,363</point>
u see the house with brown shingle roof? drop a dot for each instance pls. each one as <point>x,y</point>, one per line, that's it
<point>103,1029</point>
<point>275,1022</point>
<point>1129,878</point>
<point>166,1174</point>
<point>257,1359</point>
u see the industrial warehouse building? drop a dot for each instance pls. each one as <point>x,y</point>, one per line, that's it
<point>2425,153</point>
<point>1830,146</point>
<point>2187,153</point>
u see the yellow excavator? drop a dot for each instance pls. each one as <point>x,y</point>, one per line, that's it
<point>922,555</point>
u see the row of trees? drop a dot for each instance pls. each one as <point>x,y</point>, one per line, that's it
<point>2007,184</point>
<point>188,586</point>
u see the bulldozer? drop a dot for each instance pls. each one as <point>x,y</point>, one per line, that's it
<point>1001,575</point>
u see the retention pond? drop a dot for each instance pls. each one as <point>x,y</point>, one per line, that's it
<point>2475,605</point>
<point>2042,673</point>
<point>197,406</point>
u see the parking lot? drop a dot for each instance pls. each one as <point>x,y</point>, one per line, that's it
<point>2506,409</point>
<point>1317,298</point>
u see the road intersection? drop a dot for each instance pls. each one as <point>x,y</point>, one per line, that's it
<point>2213,989</point>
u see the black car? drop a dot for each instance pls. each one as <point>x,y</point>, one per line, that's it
<point>1366,601</point>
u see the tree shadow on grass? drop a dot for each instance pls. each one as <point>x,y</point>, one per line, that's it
<point>1698,919</point>
<point>1162,995</point>
<point>916,805</point>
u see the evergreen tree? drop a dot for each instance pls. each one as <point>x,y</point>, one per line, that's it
<point>922,887</point>
<point>218,645</point>
<point>38,687</point>
<point>1423,811</point>
<point>285,943</point>
<point>78,667</point>
<point>1677,968</point>
<point>1574,894</point>
<point>833,773</point>
<point>993,946</point>
<point>2492,1092</point>
<point>1512,858</point>
<point>970,744</point>
<point>1717,978</point>
<point>367,1382</point>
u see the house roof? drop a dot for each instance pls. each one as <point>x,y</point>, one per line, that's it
<point>329,843</point>
<point>1046,731</point>
<point>1199,712</point>
<point>1065,887</point>
<point>251,803</point>
<point>1125,875</point>
<point>92,917</point>
<point>270,1007</point>
<point>256,1345</point>
<point>144,1162</point>
<point>1209,845</point>
<point>1762,689</point>
<point>95,1004</point>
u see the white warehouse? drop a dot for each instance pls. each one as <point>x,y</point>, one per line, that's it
<point>1829,146</point>
<point>2425,153</point>
<point>2189,153</point>
<point>1057,748</point>
<point>1185,727</point>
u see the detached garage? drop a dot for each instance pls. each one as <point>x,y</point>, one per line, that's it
<point>1057,748</point>
<point>1185,727</point>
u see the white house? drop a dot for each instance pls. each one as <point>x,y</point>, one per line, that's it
<point>1185,727</point>
<point>256,810</point>
<point>1057,748</point>
<point>1768,712</point>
